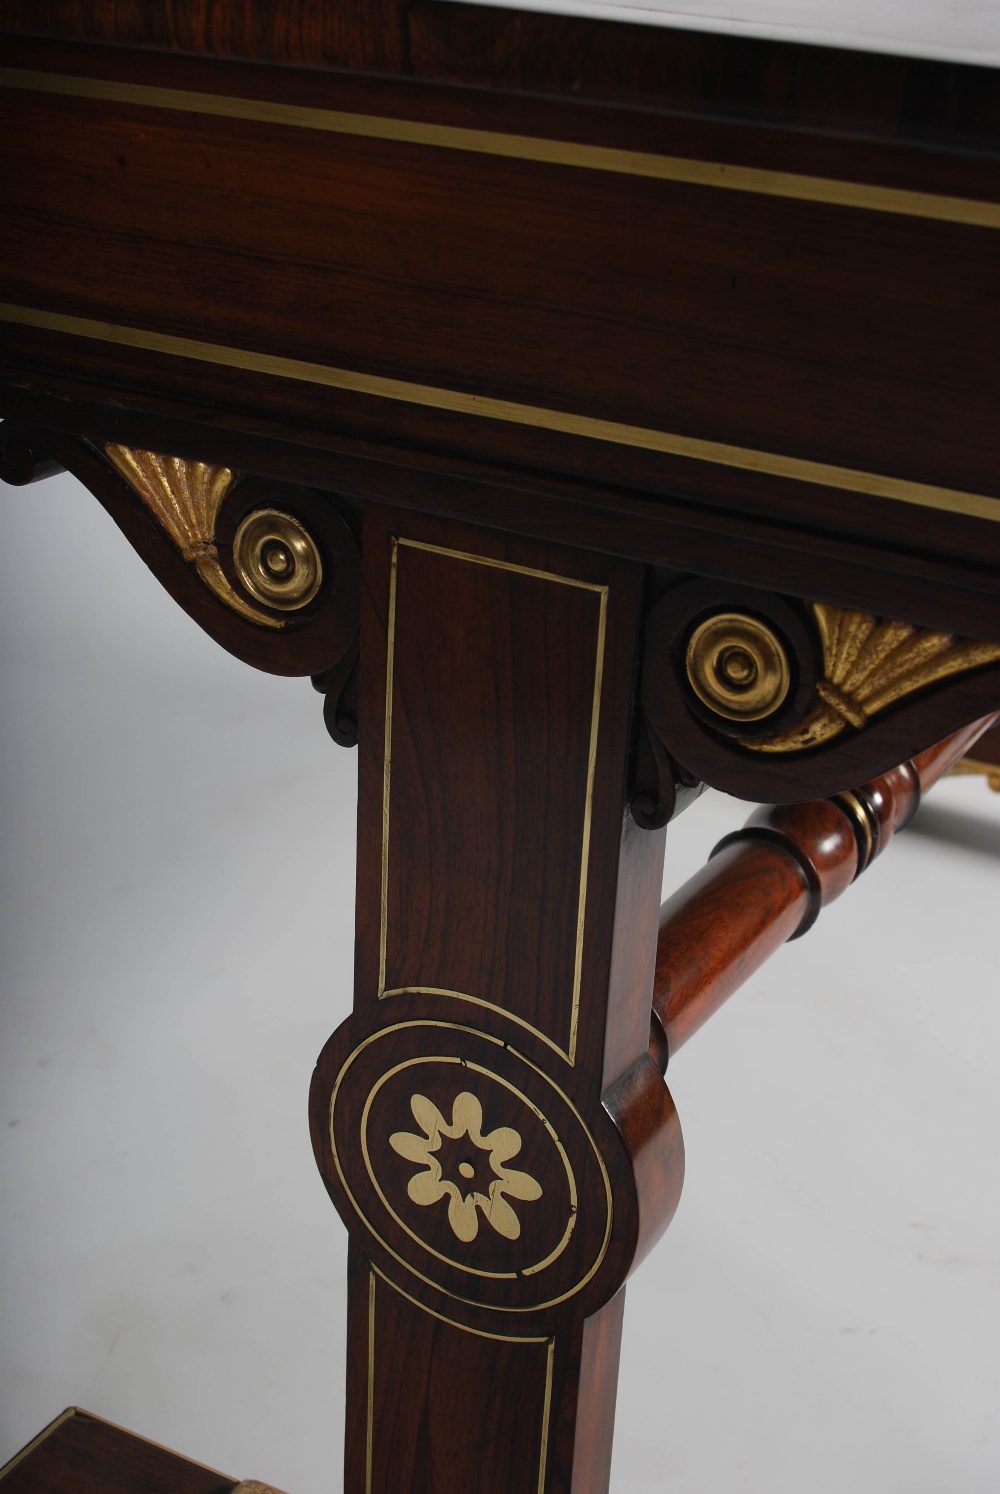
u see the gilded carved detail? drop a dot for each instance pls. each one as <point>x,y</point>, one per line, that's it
<point>185,498</point>
<point>869,664</point>
<point>737,666</point>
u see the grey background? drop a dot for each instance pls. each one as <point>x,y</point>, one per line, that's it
<point>177,903</point>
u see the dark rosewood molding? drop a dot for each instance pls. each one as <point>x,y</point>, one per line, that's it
<point>269,569</point>
<point>774,371</point>
<point>319,33</point>
<point>769,697</point>
<point>339,687</point>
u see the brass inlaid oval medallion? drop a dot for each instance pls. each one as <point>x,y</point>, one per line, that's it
<point>277,560</point>
<point>470,1167</point>
<point>738,667</point>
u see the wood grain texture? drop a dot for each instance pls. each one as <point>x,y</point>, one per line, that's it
<point>940,572</point>
<point>595,1407</point>
<point>503,278</point>
<point>934,762</point>
<point>192,249</point>
<point>474,1412</point>
<point>318,33</point>
<point>764,81</point>
<point>82,1454</point>
<point>720,927</point>
<point>567,57</point>
<point>504,869</point>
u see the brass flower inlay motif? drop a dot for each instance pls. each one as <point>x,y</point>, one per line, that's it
<point>482,1166</point>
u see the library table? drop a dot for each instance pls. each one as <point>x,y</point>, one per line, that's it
<point>594,410</point>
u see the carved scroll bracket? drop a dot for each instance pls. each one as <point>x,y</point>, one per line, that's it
<point>270,569</point>
<point>771,697</point>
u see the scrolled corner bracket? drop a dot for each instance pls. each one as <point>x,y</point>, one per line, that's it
<point>779,700</point>
<point>185,498</point>
<point>869,664</point>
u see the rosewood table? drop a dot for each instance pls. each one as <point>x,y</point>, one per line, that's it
<point>595,411</point>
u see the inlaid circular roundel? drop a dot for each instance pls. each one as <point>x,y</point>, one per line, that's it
<point>470,1166</point>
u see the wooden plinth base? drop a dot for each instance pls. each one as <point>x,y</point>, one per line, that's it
<point>81,1454</point>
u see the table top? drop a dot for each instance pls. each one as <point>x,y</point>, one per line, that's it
<point>961,31</point>
<point>703,300</point>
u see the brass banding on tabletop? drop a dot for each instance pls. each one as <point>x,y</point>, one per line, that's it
<point>681,169</point>
<point>668,443</point>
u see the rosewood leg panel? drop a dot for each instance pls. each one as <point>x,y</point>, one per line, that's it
<point>488,1122</point>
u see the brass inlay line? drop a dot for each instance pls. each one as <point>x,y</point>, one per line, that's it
<point>581,913</point>
<point>569,1052</point>
<point>71,1411</point>
<point>371,1382</point>
<point>538,1266</point>
<point>43,1435</point>
<point>546,1413</point>
<point>689,172</point>
<point>387,764</point>
<point>743,458</point>
<point>478,1001</point>
<point>470,1301</point>
<point>504,1338</point>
